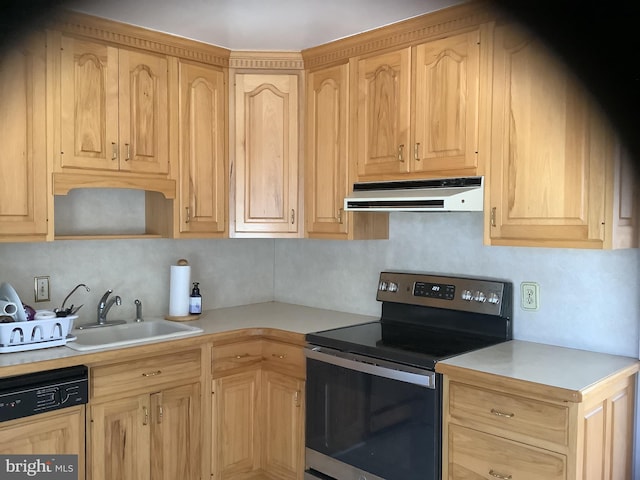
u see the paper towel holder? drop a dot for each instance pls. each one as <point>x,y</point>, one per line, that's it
<point>182,318</point>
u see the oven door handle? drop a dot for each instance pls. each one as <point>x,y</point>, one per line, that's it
<point>380,368</point>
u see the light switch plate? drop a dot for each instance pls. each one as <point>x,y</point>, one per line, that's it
<point>41,289</point>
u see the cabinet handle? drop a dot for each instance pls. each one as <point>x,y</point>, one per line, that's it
<point>416,152</point>
<point>152,374</point>
<point>340,210</point>
<point>293,216</point>
<point>146,416</point>
<point>493,216</point>
<point>114,151</point>
<point>244,355</point>
<point>160,413</point>
<point>495,474</point>
<point>401,153</point>
<point>498,413</point>
<point>188,215</point>
<point>128,148</point>
<point>280,356</point>
<point>296,398</point>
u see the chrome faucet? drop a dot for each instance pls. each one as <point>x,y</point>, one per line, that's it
<point>104,305</point>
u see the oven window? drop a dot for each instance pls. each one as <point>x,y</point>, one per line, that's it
<point>385,427</point>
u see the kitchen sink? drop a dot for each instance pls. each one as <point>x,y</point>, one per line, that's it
<point>129,334</point>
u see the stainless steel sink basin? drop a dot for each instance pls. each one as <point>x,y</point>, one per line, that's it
<point>129,334</point>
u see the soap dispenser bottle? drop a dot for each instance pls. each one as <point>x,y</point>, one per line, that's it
<point>195,300</point>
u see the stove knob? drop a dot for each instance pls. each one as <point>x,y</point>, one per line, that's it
<point>494,299</point>
<point>382,286</point>
<point>393,287</point>
<point>480,297</point>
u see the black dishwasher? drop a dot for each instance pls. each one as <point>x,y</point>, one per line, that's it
<point>34,393</point>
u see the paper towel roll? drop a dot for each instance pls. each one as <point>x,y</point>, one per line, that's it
<point>10,308</point>
<point>179,290</point>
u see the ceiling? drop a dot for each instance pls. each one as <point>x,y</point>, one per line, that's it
<point>267,25</point>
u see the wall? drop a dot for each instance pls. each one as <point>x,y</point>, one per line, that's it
<point>588,299</point>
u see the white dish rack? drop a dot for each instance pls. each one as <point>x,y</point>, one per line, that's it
<point>35,334</point>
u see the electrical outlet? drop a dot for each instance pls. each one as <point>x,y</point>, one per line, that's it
<point>41,289</point>
<point>530,296</point>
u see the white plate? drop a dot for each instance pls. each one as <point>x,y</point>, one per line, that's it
<point>9,294</point>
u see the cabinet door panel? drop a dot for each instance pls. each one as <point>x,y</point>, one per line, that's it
<point>236,437</point>
<point>120,439</point>
<point>23,182</point>
<point>175,437</point>
<point>446,108</point>
<point>547,177</point>
<point>202,149</point>
<point>89,105</point>
<point>143,113</point>
<point>266,153</point>
<point>327,132</point>
<point>384,83</point>
<point>283,420</point>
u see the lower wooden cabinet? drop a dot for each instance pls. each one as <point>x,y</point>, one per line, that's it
<point>60,432</point>
<point>257,411</point>
<point>145,419</point>
<point>501,429</point>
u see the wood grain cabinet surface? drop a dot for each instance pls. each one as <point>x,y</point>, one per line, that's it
<point>419,121</point>
<point>114,108</point>
<point>266,155</point>
<point>23,163</point>
<point>557,177</point>
<point>258,411</point>
<point>328,177</point>
<point>508,429</point>
<point>145,419</point>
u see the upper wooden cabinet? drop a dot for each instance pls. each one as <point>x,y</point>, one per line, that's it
<point>266,155</point>
<point>555,176</point>
<point>419,121</point>
<point>202,205</point>
<point>114,108</point>
<point>23,182</point>
<point>327,176</point>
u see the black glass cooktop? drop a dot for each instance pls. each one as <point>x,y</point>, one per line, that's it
<point>397,342</point>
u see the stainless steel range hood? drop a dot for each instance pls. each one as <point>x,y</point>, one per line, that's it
<point>460,194</point>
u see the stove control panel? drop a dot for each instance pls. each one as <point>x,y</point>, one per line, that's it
<point>457,293</point>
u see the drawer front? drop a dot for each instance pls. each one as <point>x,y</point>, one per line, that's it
<point>511,414</point>
<point>235,355</point>
<point>474,454</point>
<point>144,374</point>
<point>284,357</point>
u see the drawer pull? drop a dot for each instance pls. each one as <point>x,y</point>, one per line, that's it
<point>499,475</point>
<point>244,355</point>
<point>281,356</point>
<point>498,413</point>
<point>152,374</point>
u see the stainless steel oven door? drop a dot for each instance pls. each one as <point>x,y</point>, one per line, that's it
<point>370,419</point>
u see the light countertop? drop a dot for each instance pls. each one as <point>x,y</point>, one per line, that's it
<point>564,368</point>
<point>270,315</point>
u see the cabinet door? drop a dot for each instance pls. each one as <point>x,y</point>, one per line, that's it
<point>203,198</point>
<point>384,96</point>
<point>120,439</point>
<point>175,433</point>
<point>143,112</point>
<point>236,438</point>
<point>60,432</point>
<point>266,153</point>
<point>283,445</point>
<point>89,105</point>
<point>327,117</point>
<point>547,171</point>
<point>23,182</point>
<point>446,105</point>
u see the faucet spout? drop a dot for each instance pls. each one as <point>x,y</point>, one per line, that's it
<point>105,305</point>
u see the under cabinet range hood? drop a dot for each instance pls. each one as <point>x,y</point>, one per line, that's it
<point>460,194</point>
